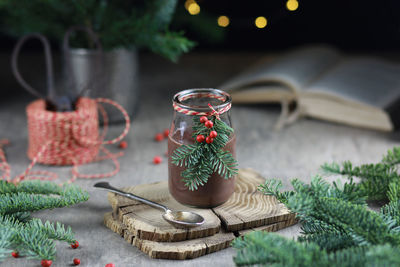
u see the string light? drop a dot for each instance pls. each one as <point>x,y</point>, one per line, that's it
<point>187,4</point>
<point>194,8</point>
<point>223,21</point>
<point>260,22</point>
<point>292,5</point>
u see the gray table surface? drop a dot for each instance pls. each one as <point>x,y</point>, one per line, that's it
<point>295,151</point>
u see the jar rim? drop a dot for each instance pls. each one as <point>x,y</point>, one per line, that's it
<point>186,94</point>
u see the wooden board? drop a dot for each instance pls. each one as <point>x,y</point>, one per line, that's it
<point>187,249</point>
<point>147,223</point>
<point>246,209</point>
<point>249,208</point>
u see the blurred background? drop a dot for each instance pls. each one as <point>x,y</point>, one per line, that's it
<point>230,25</point>
<point>140,36</point>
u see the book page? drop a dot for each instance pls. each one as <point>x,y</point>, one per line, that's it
<point>294,69</point>
<point>363,80</point>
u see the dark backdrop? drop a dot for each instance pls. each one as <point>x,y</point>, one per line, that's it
<point>350,25</point>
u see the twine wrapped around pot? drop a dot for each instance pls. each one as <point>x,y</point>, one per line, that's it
<point>69,137</point>
<point>63,133</point>
<point>66,138</point>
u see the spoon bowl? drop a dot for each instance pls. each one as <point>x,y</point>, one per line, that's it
<point>179,219</point>
<point>185,219</point>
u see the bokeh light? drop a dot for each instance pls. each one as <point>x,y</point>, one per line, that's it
<point>223,21</point>
<point>292,5</point>
<point>194,8</point>
<point>187,3</point>
<point>260,22</point>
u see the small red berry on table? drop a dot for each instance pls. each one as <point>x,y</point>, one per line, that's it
<point>15,254</point>
<point>77,261</point>
<point>209,140</point>
<point>209,124</point>
<point>203,119</point>
<point>157,160</point>
<point>75,245</point>
<point>166,132</point>
<point>200,138</point>
<point>123,144</point>
<point>213,134</point>
<point>159,137</point>
<point>46,263</point>
<point>110,265</point>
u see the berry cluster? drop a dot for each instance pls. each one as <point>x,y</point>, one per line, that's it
<point>209,124</point>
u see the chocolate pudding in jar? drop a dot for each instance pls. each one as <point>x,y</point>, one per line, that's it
<point>218,189</point>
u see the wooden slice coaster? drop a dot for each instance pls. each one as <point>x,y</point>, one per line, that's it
<point>187,249</point>
<point>248,207</point>
<point>147,223</point>
<point>182,250</point>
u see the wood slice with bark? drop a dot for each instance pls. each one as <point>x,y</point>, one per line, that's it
<point>181,250</point>
<point>248,207</point>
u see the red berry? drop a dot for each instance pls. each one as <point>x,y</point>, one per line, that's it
<point>200,138</point>
<point>209,140</point>
<point>213,134</point>
<point>77,261</point>
<point>123,144</point>
<point>46,263</point>
<point>110,265</point>
<point>166,132</point>
<point>159,137</point>
<point>75,245</point>
<point>15,254</point>
<point>209,124</point>
<point>157,160</point>
<point>203,119</point>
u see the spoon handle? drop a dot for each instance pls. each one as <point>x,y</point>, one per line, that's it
<point>110,188</point>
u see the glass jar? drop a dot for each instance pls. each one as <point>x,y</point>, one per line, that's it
<point>187,104</point>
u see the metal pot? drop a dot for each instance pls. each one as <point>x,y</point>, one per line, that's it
<point>111,74</point>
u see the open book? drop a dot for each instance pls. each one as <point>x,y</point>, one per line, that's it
<point>323,84</point>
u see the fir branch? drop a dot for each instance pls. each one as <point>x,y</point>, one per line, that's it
<point>224,164</point>
<point>375,178</point>
<point>337,227</point>
<point>23,202</point>
<point>201,160</point>
<point>197,175</point>
<point>261,249</point>
<point>272,187</point>
<point>188,155</point>
<point>6,240</point>
<point>392,157</point>
<point>30,237</point>
<point>53,231</point>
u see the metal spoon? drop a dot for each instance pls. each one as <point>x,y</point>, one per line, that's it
<point>179,219</point>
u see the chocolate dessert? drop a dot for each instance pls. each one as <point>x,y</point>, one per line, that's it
<point>215,192</point>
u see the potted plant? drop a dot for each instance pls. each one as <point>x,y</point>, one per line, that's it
<point>121,26</point>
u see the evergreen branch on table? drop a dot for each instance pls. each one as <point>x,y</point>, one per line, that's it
<point>202,159</point>
<point>337,227</point>
<point>375,178</point>
<point>53,231</point>
<point>30,236</point>
<point>22,202</point>
<point>392,157</point>
<point>6,240</point>
<point>269,249</point>
<point>272,187</point>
